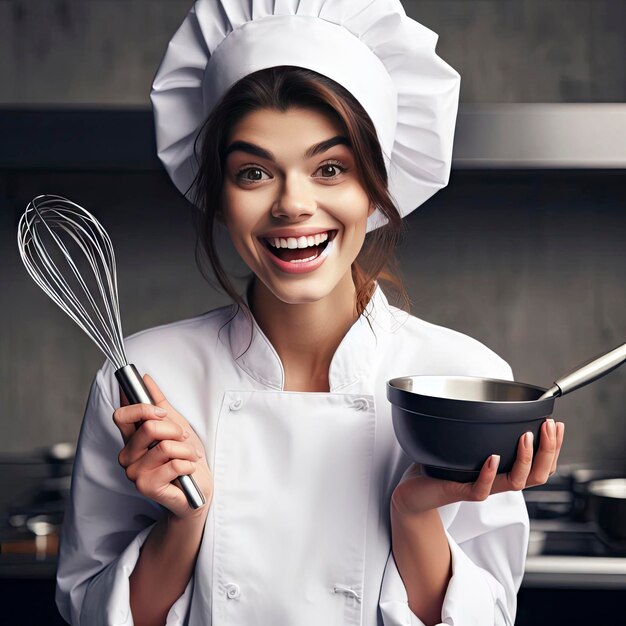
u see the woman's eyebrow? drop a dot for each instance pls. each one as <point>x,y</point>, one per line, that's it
<point>327,144</point>
<point>317,148</point>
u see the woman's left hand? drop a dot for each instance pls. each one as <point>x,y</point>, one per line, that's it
<point>417,493</point>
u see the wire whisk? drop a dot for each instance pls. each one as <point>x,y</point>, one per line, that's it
<point>39,237</point>
<point>54,237</point>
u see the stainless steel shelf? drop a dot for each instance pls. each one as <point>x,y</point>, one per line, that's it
<point>541,136</point>
<point>487,136</point>
<point>580,572</point>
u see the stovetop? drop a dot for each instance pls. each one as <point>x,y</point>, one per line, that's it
<point>567,549</point>
<point>565,538</point>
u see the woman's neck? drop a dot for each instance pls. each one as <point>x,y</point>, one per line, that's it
<point>305,336</point>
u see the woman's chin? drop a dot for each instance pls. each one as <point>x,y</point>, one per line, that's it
<point>301,294</point>
<point>303,289</point>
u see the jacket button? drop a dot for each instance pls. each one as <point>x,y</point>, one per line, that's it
<point>232,591</point>
<point>236,404</point>
<point>360,404</point>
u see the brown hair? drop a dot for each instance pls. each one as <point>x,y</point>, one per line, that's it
<point>282,88</point>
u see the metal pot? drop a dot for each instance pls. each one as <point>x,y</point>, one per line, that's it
<point>607,504</point>
<point>582,475</point>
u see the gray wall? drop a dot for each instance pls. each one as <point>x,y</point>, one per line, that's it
<point>106,51</point>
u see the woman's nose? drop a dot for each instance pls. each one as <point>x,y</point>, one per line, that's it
<point>296,199</point>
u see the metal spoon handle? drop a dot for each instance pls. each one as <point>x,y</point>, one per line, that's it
<point>587,372</point>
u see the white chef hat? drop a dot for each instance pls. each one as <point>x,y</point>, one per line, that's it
<point>386,60</point>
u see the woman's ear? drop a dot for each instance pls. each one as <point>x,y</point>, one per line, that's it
<point>371,209</point>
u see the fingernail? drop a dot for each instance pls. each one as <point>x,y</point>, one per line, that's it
<point>159,411</point>
<point>185,434</point>
<point>551,427</point>
<point>494,461</point>
<point>528,440</point>
<point>199,452</point>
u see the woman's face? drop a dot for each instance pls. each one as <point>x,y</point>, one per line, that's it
<point>293,202</point>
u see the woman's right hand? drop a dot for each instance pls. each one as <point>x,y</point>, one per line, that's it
<point>177,451</point>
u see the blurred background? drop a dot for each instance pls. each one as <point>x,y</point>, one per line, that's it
<point>525,249</point>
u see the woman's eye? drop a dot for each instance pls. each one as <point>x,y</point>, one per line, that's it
<point>251,174</point>
<point>330,170</point>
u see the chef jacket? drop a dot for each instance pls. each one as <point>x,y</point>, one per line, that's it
<point>298,531</point>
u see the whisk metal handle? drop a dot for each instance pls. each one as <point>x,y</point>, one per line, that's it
<point>135,390</point>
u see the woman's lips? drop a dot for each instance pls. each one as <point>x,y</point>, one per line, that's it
<point>298,255</point>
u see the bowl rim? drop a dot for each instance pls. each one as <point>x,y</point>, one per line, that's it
<point>390,383</point>
<point>492,411</point>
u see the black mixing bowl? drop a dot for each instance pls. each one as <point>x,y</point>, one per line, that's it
<point>451,424</point>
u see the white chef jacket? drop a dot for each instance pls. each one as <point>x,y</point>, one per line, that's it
<point>298,532</point>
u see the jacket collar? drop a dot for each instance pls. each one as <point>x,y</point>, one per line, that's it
<point>352,362</point>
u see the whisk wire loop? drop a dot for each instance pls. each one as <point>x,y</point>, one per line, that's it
<point>52,218</point>
<point>88,246</point>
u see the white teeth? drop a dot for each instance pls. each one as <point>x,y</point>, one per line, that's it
<point>302,260</point>
<point>299,242</point>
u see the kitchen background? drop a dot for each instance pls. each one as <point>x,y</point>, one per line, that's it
<point>527,254</point>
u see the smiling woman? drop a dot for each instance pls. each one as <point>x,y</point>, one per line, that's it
<point>307,133</point>
<point>295,201</point>
<point>287,139</point>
